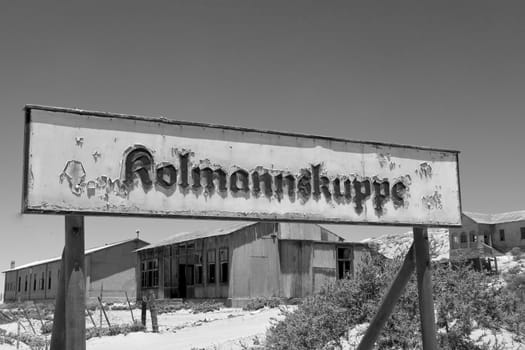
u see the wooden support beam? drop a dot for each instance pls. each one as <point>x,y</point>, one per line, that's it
<point>75,283</point>
<point>389,301</point>
<point>69,327</point>
<point>424,285</point>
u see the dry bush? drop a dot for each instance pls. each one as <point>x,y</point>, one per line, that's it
<point>464,299</point>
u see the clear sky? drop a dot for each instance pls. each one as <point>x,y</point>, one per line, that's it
<point>445,74</point>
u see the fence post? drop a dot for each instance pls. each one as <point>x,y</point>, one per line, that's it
<point>18,334</point>
<point>130,309</point>
<point>153,311</point>
<point>104,311</point>
<point>144,309</point>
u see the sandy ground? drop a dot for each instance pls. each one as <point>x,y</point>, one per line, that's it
<point>224,329</point>
<point>217,330</point>
<point>508,262</point>
<point>228,328</point>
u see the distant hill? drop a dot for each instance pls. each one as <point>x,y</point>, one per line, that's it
<point>393,246</point>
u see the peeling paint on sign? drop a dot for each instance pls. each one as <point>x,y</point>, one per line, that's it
<point>164,168</point>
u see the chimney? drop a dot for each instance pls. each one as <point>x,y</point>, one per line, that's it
<point>12,264</point>
<point>138,233</point>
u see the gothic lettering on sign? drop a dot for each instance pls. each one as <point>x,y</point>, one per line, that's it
<point>185,173</point>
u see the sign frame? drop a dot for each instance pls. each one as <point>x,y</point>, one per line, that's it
<point>164,121</point>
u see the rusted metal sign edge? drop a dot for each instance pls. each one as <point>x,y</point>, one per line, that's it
<point>210,214</point>
<point>26,210</point>
<point>164,120</point>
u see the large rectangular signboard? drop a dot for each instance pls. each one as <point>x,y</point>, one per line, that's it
<point>92,163</point>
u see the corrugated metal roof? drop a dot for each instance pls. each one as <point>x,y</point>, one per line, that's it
<point>190,236</point>
<point>497,218</point>
<point>87,252</point>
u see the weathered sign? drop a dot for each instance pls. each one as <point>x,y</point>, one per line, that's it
<point>94,163</point>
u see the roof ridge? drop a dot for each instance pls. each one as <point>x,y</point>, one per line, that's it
<point>208,232</point>
<point>86,251</point>
<point>496,218</point>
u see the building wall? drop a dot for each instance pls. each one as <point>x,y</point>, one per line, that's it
<point>254,265</point>
<point>295,259</point>
<point>215,289</point>
<point>114,267</point>
<point>53,271</point>
<point>324,266</point>
<point>249,249</point>
<point>475,234</point>
<point>260,264</point>
<point>512,236</point>
<point>32,292</point>
<point>485,233</point>
<point>307,266</point>
<point>112,271</point>
<point>10,286</point>
<point>307,232</point>
<point>361,258</point>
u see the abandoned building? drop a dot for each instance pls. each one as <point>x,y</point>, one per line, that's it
<point>110,270</point>
<point>482,237</point>
<point>246,261</point>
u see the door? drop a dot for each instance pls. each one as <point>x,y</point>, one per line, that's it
<point>182,281</point>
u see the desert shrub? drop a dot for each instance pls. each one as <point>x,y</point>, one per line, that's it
<point>47,327</point>
<point>326,316</point>
<point>516,253</point>
<point>5,317</point>
<point>515,287</point>
<point>464,299</point>
<point>115,330</point>
<point>261,302</point>
<point>205,306</point>
<point>32,340</point>
<point>121,307</point>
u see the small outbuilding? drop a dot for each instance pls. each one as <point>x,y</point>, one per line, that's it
<point>110,270</point>
<point>246,261</point>
<point>482,237</point>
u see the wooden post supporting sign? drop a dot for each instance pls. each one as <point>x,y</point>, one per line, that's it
<point>424,287</point>
<point>389,301</point>
<point>418,257</point>
<point>69,326</point>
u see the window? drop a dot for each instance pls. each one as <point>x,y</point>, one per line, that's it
<point>19,282</point>
<point>344,262</point>
<point>49,280</point>
<point>198,274</point>
<point>198,268</point>
<point>501,235</point>
<point>43,281</point>
<point>473,236</point>
<point>190,275</point>
<point>455,240</point>
<point>486,238</point>
<point>223,261</point>
<point>211,266</point>
<point>463,239</point>
<point>25,285</point>
<point>522,229</point>
<point>149,273</point>
<point>34,281</point>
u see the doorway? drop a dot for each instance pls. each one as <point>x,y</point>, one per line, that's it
<point>182,281</point>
